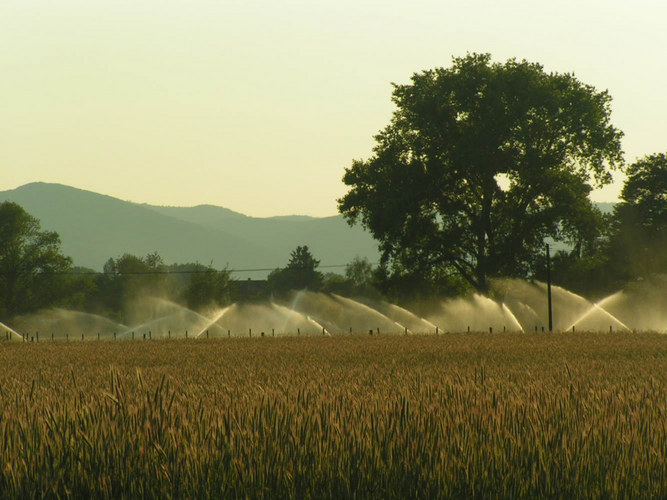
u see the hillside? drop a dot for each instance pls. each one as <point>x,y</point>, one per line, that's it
<point>95,227</point>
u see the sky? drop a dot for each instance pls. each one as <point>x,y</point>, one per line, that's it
<point>260,105</point>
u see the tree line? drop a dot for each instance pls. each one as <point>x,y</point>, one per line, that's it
<point>480,164</point>
<point>34,274</point>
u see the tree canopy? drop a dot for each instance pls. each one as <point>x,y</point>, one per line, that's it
<point>480,162</point>
<point>638,245</point>
<point>207,286</point>
<point>301,272</point>
<point>31,263</point>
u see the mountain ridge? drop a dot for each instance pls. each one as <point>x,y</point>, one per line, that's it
<point>94,227</point>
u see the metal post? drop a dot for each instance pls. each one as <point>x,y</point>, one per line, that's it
<point>549,289</point>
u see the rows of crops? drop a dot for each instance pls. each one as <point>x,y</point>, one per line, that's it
<point>455,416</point>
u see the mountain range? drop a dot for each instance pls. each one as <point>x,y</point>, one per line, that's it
<point>95,227</point>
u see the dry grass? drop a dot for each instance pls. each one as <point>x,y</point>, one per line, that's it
<point>454,416</point>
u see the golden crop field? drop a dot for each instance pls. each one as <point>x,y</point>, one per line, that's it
<point>450,416</point>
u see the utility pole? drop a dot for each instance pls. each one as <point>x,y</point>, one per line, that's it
<point>549,288</point>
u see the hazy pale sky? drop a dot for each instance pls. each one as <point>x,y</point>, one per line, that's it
<point>259,105</point>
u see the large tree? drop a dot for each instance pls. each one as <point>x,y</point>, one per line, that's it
<point>480,162</point>
<point>32,266</point>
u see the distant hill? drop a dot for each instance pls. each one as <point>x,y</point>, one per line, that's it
<point>95,227</point>
<point>605,206</point>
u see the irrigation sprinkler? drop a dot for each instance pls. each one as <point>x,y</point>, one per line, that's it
<point>37,335</point>
<point>490,329</point>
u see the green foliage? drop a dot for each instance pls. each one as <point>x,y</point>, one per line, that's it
<point>359,272</point>
<point>31,263</point>
<point>207,286</point>
<point>480,163</point>
<point>126,279</point>
<point>300,272</point>
<point>358,281</point>
<point>417,286</point>
<point>638,246</point>
<point>633,245</point>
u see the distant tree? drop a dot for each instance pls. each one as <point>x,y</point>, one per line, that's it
<point>638,245</point>
<point>31,263</point>
<point>360,272</point>
<point>480,163</point>
<point>207,286</point>
<point>300,272</point>
<point>417,287</point>
<point>336,283</point>
<point>128,277</point>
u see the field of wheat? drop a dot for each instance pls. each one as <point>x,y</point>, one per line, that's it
<point>454,416</point>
